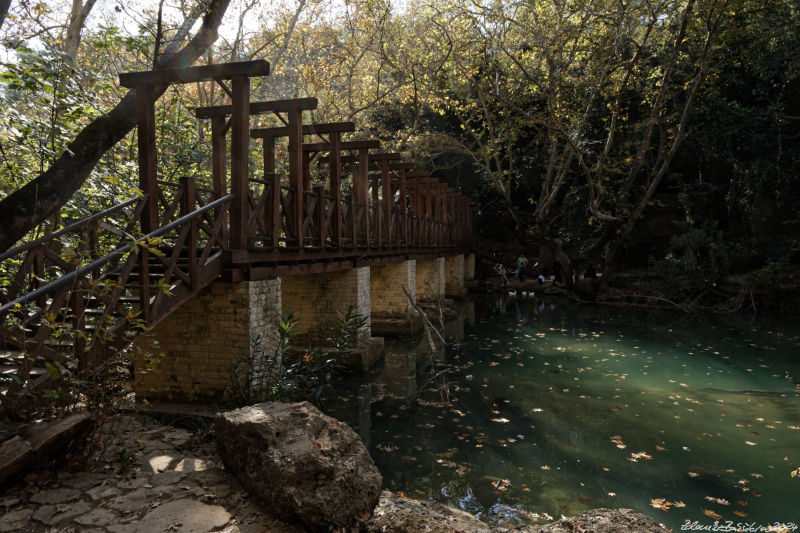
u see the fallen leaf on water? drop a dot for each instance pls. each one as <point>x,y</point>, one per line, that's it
<point>679,504</point>
<point>448,454</point>
<point>740,513</point>
<point>741,502</point>
<point>750,443</point>
<point>660,503</point>
<point>693,474</point>
<point>711,514</point>
<point>612,494</point>
<point>544,467</point>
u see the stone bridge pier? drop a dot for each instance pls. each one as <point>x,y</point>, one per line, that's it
<point>191,354</point>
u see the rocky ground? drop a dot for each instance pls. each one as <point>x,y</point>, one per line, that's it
<point>143,478</point>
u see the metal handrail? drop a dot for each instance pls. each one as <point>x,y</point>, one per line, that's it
<point>67,229</point>
<point>119,252</point>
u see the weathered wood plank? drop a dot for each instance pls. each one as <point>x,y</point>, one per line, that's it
<point>259,108</point>
<point>225,71</point>
<point>308,129</point>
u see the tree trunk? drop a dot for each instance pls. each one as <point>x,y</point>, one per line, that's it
<point>4,5</point>
<point>27,207</point>
<point>77,18</point>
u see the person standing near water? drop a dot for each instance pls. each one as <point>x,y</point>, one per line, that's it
<point>522,265</point>
<point>501,271</point>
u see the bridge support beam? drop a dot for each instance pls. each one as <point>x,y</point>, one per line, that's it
<point>315,300</point>
<point>392,315</point>
<point>430,279</point>
<point>195,347</point>
<point>454,276</point>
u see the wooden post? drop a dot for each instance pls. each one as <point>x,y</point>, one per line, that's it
<point>79,325</point>
<point>296,211</point>
<point>319,216</point>
<point>335,175</point>
<point>377,217</point>
<point>401,202</point>
<point>307,157</point>
<point>240,143</point>
<point>429,234</point>
<point>386,182</point>
<point>146,137</point>
<point>363,187</point>
<point>187,206</point>
<point>272,207</point>
<point>417,203</point>
<point>219,153</point>
<point>148,172</point>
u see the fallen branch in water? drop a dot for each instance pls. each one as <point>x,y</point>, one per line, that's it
<point>427,323</point>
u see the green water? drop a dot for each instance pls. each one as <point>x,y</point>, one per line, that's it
<point>553,408</point>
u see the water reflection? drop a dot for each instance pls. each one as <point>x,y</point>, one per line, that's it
<point>542,407</point>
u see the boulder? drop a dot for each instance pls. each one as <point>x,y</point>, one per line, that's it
<point>300,462</point>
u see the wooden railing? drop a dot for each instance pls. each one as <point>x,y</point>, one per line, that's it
<point>62,311</point>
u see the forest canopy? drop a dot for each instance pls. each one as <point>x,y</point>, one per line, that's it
<point>651,134</point>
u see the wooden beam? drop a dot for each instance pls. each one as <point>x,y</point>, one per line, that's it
<point>259,108</point>
<point>346,145</point>
<point>308,129</point>
<point>223,71</point>
<point>148,158</point>
<point>375,157</point>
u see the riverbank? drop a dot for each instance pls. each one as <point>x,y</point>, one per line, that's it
<point>765,292</point>
<point>148,477</point>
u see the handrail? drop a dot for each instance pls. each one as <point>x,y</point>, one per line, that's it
<point>119,252</point>
<point>68,229</point>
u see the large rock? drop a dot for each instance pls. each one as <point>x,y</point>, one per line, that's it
<point>300,462</point>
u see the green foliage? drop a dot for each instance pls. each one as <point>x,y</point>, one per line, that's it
<point>260,378</point>
<point>275,376</point>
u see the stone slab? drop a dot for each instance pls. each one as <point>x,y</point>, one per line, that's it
<point>187,516</point>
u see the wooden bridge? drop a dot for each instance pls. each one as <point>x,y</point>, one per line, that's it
<point>71,300</point>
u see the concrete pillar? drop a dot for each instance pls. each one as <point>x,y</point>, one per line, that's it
<point>315,299</point>
<point>454,276</point>
<point>196,346</point>
<point>430,279</point>
<point>392,315</point>
<point>469,267</point>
